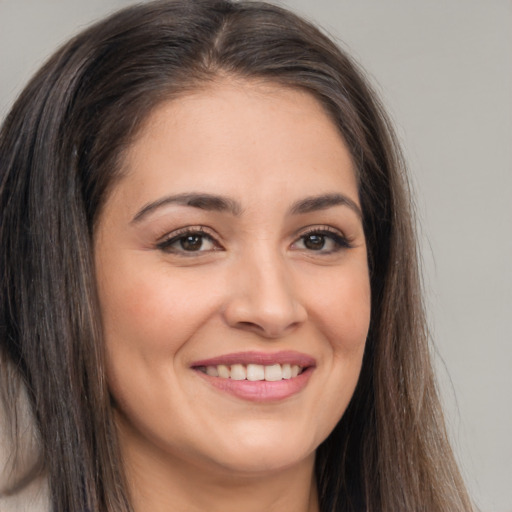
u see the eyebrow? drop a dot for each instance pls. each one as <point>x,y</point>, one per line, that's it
<point>202,201</point>
<point>323,202</point>
<point>211,202</point>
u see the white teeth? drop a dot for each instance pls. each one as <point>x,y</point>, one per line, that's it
<point>253,372</point>
<point>223,371</point>
<point>238,372</point>
<point>212,371</point>
<point>273,373</point>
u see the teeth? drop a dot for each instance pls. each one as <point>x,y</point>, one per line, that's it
<point>223,371</point>
<point>238,372</point>
<point>254,372</point>
<point>212,371</point>
<point>273,372</point>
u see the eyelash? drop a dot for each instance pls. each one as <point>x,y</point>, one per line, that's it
<point>340,241</point>
<point>166,245</point>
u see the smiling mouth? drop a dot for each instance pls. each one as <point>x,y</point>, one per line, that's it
<point>253,372</point>
<point>257,376</point>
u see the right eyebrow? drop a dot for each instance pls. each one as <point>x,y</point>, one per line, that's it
<point>323,202</point>
<point>202,201</point>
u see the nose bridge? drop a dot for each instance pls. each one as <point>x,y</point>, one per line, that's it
<point>265,297</point>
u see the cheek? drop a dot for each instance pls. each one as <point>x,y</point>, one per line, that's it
<point>342,312</point>
<point>151,311</point>
<point>341,318</point>
<point>148,317</point>
<point>134,313</point>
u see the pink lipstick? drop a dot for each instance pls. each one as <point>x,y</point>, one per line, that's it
<point>257,376</point>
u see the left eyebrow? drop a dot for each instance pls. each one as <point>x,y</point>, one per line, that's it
<point>195,200</point>
<point>323,202</point>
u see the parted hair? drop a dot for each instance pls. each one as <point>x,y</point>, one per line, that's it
<point>60,151</point>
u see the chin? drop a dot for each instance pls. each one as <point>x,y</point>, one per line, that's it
<point>251,464</point>
<point>264,452</point>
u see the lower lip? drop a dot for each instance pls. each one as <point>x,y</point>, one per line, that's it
<point>260,390</point>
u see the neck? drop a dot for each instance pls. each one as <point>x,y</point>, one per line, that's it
<point>162,483</point>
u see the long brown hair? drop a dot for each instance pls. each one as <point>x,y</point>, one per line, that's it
<point>60,152</point>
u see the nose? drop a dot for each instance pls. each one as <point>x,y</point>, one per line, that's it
<point>263,298</point>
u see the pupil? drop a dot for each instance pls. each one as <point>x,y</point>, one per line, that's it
<point>314,242</point>
<point>191,242</point>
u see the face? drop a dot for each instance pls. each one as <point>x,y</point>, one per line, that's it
<point>233,280</point>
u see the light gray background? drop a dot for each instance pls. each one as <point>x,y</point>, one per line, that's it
<point>444,69</point>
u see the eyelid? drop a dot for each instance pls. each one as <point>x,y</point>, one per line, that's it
<point>165,242</point>
<point>168,239</point>
<point>342,241</point>
<point>320,228</point>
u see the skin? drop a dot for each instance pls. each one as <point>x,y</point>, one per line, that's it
<point>255,283</point>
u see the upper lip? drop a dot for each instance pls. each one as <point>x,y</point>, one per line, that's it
<point>263,358</point>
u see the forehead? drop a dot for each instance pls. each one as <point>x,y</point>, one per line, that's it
<point>239,135</point>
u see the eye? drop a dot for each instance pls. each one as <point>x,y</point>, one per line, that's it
<point>188,240</point>
<point>324,240</point>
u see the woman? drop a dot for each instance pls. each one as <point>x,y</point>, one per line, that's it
<point>209,277</point>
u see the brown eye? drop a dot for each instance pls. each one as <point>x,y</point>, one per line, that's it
<point>314,242</point>
<point>323,241</point>
<point>188,242</point>
<point>191,242</point>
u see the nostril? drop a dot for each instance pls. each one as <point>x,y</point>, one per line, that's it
<point>248,324</point>
<point>266,330</point>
